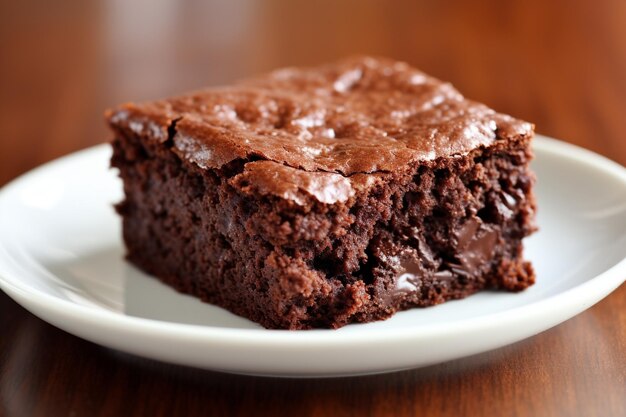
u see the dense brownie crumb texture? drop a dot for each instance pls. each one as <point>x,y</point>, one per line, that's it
<point>318,197</point>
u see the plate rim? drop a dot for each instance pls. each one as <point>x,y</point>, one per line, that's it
<point>595,288</point>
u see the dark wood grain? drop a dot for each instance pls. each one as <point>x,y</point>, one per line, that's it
<point>560,64</point>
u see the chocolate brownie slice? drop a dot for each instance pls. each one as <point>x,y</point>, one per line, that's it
<point>319,197</point>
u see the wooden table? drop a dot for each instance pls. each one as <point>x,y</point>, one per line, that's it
<point>561,64</point>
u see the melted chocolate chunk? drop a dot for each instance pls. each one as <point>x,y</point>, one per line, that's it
<point>444,276</point>
<point>467,232</point>
<point>410,274</point>
<point>475,242</point>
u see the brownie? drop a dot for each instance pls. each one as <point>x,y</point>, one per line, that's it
<point>319,197</point>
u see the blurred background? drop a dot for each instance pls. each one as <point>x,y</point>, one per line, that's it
<point>560,64</point>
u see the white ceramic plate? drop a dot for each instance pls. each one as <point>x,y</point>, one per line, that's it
<point>61,257</point>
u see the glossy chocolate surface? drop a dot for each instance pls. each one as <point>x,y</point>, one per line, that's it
<point>359,115</point>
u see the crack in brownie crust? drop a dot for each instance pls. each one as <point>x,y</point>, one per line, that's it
<point>243,197</point>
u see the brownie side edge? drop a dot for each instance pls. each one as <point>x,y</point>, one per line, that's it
<point>393,246</point>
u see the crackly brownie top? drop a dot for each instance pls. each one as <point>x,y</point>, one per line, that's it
<point>358,115</point>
